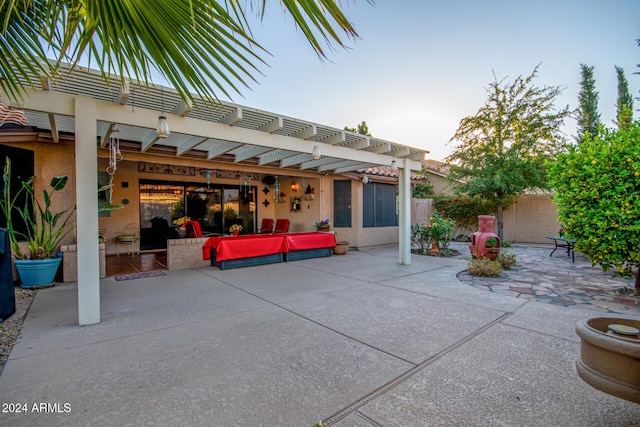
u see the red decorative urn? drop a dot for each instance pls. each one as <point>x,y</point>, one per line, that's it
<point>484,242</point>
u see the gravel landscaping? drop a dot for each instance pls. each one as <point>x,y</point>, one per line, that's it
<point>10,328</point>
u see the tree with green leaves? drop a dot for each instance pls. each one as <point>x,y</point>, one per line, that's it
<point>204,46</point>
<point>424,190</point>
<point>361,129</point>
<point>624,116</point>
<point>587,113</point>
<point>504,148</point>
<point>598,197</point>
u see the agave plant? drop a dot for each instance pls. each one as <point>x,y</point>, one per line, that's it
<point>44,230</point>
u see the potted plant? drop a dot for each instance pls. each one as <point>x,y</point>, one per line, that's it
<point>181,225</point>
<point>323,225</point>
<point>235,229</point>
<point>492,242</point>
<point>43,229</point>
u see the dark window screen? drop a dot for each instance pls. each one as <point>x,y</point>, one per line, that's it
<point>379,205</point>
<point>342,203</point>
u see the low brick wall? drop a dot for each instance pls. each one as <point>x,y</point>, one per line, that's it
<point>70,262</point>
<point>186,253</point>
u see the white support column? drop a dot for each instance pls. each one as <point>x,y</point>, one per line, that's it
<point>87,211</point>
<point>404,214</point>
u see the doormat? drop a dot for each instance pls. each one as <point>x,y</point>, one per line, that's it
<point>141,275</point>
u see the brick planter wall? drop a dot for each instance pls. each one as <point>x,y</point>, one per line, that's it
<point>186,253</point>
<point>70,262</point>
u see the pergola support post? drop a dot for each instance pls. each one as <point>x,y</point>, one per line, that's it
<point>404,213</point>
<point>86,151</point>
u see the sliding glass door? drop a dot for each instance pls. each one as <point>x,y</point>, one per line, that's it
<point>216,207</point>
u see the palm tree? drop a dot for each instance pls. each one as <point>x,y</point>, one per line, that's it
<point>197,45</point>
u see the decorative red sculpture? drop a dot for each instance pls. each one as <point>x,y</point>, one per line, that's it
<point>479,247</point>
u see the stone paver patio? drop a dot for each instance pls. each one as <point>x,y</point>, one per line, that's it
<point>556,280</point>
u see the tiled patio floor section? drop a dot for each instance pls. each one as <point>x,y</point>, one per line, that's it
<point>556,280</point>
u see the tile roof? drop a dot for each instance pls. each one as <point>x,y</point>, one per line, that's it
<point>386,171</point>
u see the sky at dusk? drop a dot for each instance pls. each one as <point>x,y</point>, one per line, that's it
<point>420,66</point>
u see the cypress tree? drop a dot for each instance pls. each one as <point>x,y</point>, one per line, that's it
<point>588,116</point>
<point>625,101</point>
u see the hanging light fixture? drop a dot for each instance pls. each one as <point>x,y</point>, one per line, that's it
<point>394,165</point>
<point>365,179</point>
<point>315,154</point>
<point>303,183</point>
<point>276,189</point>
<point>162,128</point>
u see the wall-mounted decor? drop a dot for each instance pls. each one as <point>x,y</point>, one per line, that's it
<point>266,203</point>
<point>166,169</point>
<point>228,174</point>
<point>296,204</point>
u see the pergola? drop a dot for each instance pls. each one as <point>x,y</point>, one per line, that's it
<point>81,104</point>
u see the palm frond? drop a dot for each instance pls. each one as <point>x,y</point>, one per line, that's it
<point>201,46</point>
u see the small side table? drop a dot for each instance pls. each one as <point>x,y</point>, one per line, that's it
<point>129,239</point>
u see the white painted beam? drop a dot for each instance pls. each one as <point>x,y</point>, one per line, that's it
<point>60,103</point>
<point>415,156</point>
<point>183,108</point>
<point>273,126</point>
<point>319,162</point>
<point>123,93</point>
<point>233,117</point>
<point>338,164</point>
<point>305,133</point>
<point>359,144</point>
<point>250,152</point>
<point>149,140</point>
<point>54,128</point>
<point>295,160</point>
<point>401,152</point>
<point>221,148</point>
<point>105,138</point>
<point>381,148</point>
<point>189,144</point>
<point>338,138</point>
<point>273,156</point>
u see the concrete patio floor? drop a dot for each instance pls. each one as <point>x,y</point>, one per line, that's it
<point>354,340</point>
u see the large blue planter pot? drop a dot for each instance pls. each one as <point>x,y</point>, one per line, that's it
<point>37,273</point>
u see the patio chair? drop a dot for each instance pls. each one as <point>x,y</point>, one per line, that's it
<point>266,227</point>
<point>194,230</point>
<point>282,226</point>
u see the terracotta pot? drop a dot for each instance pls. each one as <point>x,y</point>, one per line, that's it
<point>609,361</point>
<point>342,247</point>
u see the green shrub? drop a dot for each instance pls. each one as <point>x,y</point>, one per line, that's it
<point>464,210</point>
<point>506,244</point>
<point>484,267</point>
<point>423,190</point>
<point>421,237</point>
<point>597,193</point>
<point>442,230</point>
<point>507,259</point>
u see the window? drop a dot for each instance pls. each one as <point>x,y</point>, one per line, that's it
<point>379,205</point>
<point>342,203</point>
<point>21,170</point>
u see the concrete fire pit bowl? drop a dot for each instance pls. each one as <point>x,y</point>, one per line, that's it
<point>610,356</point>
